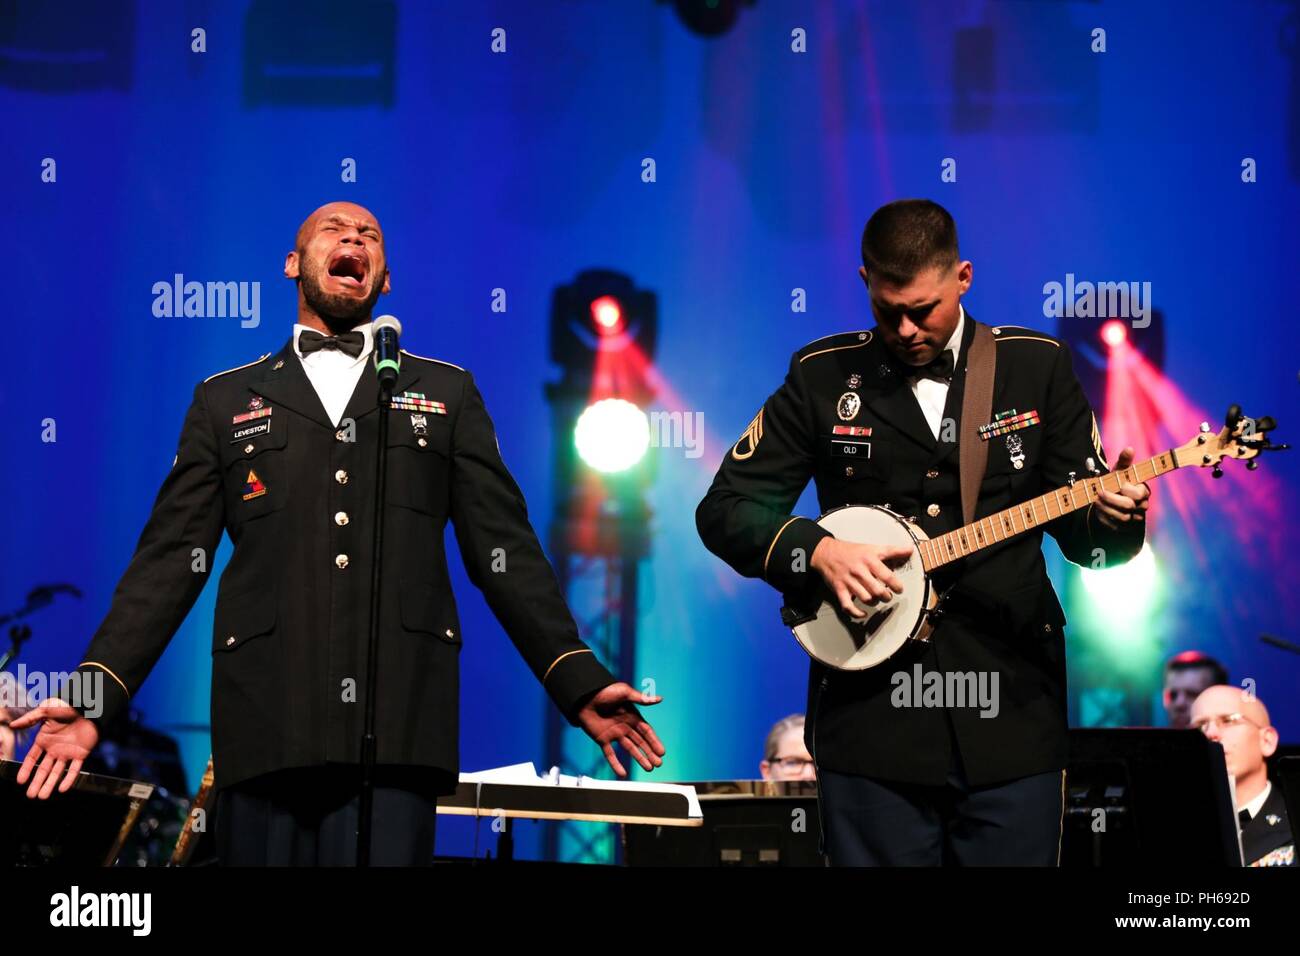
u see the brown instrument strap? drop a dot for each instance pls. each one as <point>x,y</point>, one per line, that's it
<point>976,410</point>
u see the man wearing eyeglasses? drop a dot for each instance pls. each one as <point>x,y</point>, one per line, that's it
<point>1238,721</point>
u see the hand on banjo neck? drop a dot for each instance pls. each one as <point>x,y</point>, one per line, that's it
<point>1129,504</point>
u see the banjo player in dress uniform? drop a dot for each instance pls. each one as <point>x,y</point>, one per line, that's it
<point>873,417</point>
<point>280,454</point>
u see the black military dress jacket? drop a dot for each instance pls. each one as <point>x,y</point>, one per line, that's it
<point>1002,614</point>
<point>1266,838</point>
<point>260,460</point>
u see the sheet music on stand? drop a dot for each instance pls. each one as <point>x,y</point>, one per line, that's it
<point>519,791</point>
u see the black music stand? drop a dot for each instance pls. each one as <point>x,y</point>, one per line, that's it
<point>84,827</point>
<point>747,823</point>
<point>1163,797</point>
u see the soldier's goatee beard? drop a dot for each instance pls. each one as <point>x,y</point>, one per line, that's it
<point>339,312</point>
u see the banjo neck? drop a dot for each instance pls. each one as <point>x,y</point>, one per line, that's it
<point>1036,512</point>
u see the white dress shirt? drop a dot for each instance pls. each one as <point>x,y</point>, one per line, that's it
<point>1257,804</point>
<point>932,393</point>
<point>332,373</point>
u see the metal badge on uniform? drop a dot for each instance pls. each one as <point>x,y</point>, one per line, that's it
<point>860,430</point>
<point>855,380</point>
<point>256,402</point>
<point>848,406</point>
<point>419,424</point>
<point>1008,421</point>
<point>1015,447</point>
<point>253,487</point>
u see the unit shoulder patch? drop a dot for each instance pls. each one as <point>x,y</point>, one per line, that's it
<point>747,444</point>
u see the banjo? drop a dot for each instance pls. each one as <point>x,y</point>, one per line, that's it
<point>839,641</point>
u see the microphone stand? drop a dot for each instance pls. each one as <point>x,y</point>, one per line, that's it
<point>368,746</point>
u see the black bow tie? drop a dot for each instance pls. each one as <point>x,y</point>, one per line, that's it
<point>941,367</point>
<point>349,343</point>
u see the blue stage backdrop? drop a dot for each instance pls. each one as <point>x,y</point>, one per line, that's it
<point>722,173</point>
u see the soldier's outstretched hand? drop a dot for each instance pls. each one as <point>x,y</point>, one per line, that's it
<point>611,715</point>
<point>64,740</point>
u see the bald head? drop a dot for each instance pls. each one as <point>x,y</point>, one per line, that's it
<point>342,212</point>
<point>1226,699</point>
<point>340,264</point>
<point>1238,720</point>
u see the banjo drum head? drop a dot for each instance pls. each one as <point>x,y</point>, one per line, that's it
<point>846,643</point>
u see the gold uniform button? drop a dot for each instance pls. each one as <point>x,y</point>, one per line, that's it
<point>248,449</point>
<point>450,632</point>
<point>341,476</point>
<point>341,561</point>
<point>932,473</point>
<point>932,511</point>
<point>341,518</point>
<point>230,640</point>
<point>423,442</point>
<point>340,435</point>
<point>848,471</point>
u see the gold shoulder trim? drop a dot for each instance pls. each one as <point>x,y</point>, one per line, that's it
<point>237,368</point>
<point>1032,337</point>
<point>427,359</point>
<point>836,348</point>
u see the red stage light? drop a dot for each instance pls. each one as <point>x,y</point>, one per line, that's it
<point>1113,333</point>
<point>607,313</point>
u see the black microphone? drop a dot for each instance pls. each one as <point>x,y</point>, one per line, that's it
<point>388,356</point>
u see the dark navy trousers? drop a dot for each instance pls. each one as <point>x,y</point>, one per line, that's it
<point>868,822</point>
<point>308,817</point>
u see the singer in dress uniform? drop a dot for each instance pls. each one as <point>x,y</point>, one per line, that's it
<point>280,455</point>
<point>872,417</point>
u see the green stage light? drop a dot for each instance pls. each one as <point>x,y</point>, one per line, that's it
<point>612,435</point>
<point>1125,593</point>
